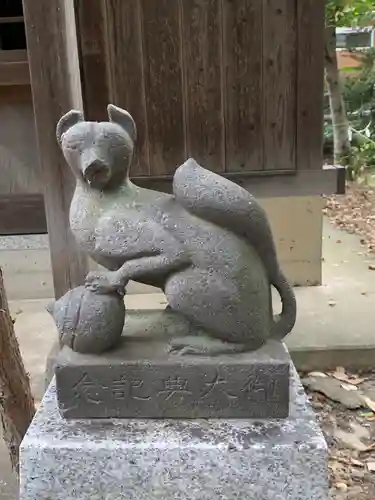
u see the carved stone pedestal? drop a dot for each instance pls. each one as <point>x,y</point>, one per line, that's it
<point>141,379</point>
<point>201,459</point>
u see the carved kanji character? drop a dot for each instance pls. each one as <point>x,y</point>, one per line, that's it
<point>135,390</point>
<point>218,383</point>
<point>89,389</point>
<point>175,386</point>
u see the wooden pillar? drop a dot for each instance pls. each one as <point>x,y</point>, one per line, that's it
<point>56,88</point>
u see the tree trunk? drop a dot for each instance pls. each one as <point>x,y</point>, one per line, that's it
<point>16,402</point>
<point>340,123</point>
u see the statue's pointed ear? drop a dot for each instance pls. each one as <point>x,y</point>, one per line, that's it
<point>68,120</point>
<point>124,119</point>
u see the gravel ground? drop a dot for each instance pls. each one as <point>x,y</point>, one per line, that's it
<point>350,435</point>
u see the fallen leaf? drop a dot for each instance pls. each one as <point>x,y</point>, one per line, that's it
<point>317,374</point>
<point>369,448</point>
<point>371,466</point>
<point>369,415</point>
<point>354,212</point>
<point>370,403</point>
<point>340,374</point>
<point>356,462</point>
<point>356,473</point>
<point>341,486</point>
<point>342,377</point>
<point>356,380</point>
<point>351,461</point>
<point>350,440</point>
<point>334,465</point>
<point>332,303</point>
<point>360,431</point>
<point>349,387</point>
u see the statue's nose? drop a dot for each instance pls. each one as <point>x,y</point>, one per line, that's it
<point>96,174</point>
<point>95,165</point>
<point>93,168</point>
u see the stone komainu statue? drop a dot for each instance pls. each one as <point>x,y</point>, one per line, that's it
<point>208,246</point>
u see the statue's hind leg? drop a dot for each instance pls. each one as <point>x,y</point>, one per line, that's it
<point>203,345</point>
<point>215,308</point>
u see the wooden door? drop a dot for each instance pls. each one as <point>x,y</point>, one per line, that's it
<point>238,85</point>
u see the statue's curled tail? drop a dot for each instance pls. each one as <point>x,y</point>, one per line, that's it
<point>236,209</point>
<point>284,322</point>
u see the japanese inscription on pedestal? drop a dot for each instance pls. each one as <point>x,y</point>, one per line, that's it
<point>177,390</point>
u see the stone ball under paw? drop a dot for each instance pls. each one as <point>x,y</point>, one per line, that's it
<point>88,322</point>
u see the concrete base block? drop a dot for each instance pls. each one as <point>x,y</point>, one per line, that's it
<point>174,459</point>
<point>298,245</point>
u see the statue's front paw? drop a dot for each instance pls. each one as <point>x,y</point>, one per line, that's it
<point>105,282</point>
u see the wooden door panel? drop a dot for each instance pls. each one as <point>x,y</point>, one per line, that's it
<point>279,84</point>
<point>242,54</point>
<point>234,83</point>
<point>203,83</point>
<point>126,59</point>
<point>162,60</point>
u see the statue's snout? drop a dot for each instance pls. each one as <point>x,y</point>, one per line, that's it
<point>96,173</point>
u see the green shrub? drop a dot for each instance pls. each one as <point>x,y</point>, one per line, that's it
<point>361,159</point>
<point>359,91</point>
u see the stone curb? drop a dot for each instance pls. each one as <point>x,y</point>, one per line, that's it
<point>354,358</point>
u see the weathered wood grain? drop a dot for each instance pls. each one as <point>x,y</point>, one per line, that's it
<point>126,63</point>
<point>91,44</point>
<point>279,84</point>
<point>202,60</point>
<point>19,162</point>
<point>22,213</point>
<point>55,80</point>
<point>242,59</point>
<point>244,70</point>
<point>163,84</point>
<point>310,83</point>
